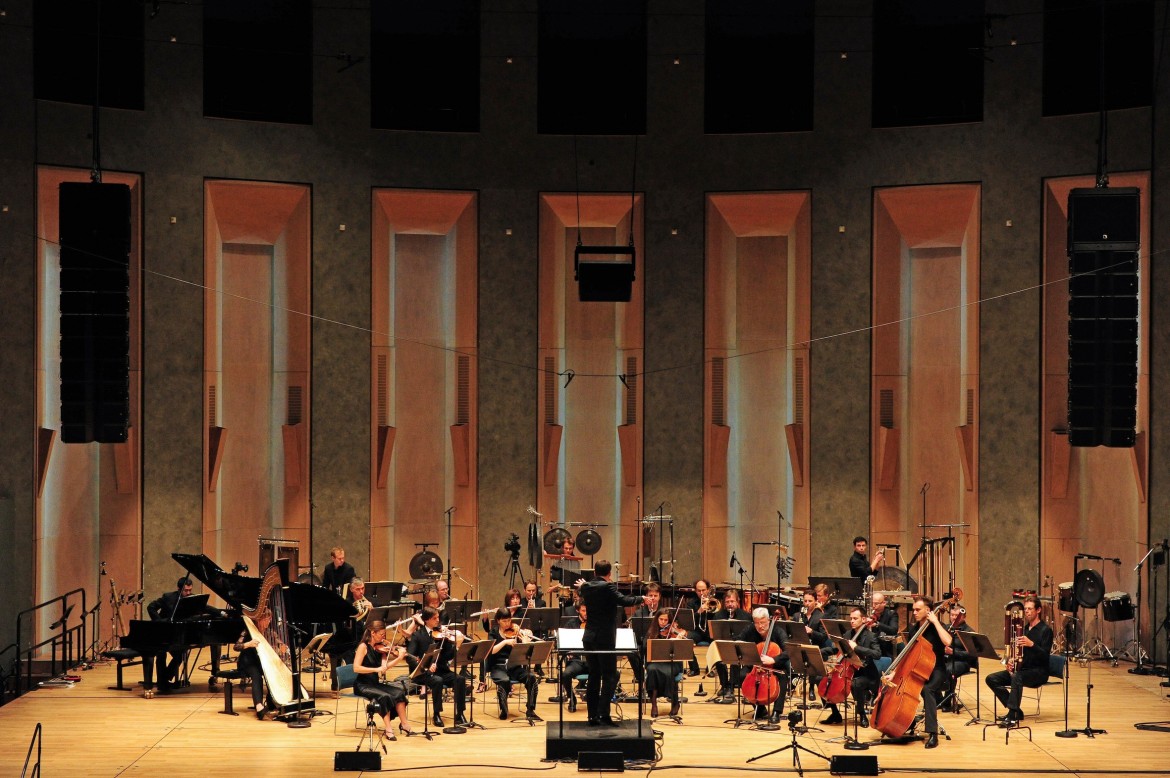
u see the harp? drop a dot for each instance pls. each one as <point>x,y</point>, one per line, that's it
<point>274,645</point>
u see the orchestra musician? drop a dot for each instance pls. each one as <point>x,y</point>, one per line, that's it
<point>860,565</point>
<point>811,616</point>
<point>866,678</point>
<point>1035,644</point>
<point>653,599</point>
<point>757,633</point>
<point>939,639</point>
<point>505,635</point>
<point>373,657</point>
<point>661,676</point>
<point>825,602</point>
<point>574,665</point>
<point>959,661</point>
<point>704,603</point>
<point>338,572</point>
<point>532,597</point>
<point>248,662</point>
<point>512,604</point>
<point>439,674</point>
<point>883,620</point>
<point>163,609</point>
<point>602,598</point>
<point>567,567</point>
<point>731,610</point>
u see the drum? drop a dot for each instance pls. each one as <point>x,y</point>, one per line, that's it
<point>1023,594</point>
<point>1066,600</point>
<point>1116,607</point>
<point>760,597</point>
<point>791,602</point>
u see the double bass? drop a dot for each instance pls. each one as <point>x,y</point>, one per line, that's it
<point>901,692</point>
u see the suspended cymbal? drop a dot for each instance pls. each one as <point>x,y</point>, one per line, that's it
<point>425,564</point>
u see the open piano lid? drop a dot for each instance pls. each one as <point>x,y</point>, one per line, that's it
<point>304,603</point>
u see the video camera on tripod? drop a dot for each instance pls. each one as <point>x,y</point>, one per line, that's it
<point>512,545</point>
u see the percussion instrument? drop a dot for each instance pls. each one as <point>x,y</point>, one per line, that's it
<point>588,541</point>
<point>1117,607</point>
<point>554,540</point>
<point>426,564</point>
<point>1066,600</point>
<point>1022,594</point>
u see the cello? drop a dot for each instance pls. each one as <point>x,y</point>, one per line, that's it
<point>901,692</point>
<point>760,686</point>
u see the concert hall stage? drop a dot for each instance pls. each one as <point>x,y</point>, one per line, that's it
<point>91,730</point>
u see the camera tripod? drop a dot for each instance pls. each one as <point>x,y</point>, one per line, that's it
<point>793,722</point>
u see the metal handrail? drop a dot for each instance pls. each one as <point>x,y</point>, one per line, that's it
<point>69,639</point>
<point>36,741</point>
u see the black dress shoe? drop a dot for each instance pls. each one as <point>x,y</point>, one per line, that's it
<point>774,718</point>
<point>531,716</point>
<point>460,719</point>
<point>834,718</point>
<point>931,740</point>
<point>606,721</point>
<point>864,720</point>
<point>692,673</point>
<point>556,698</point>
<point>437,720</point>
<point>593,722</point>
<point>674,708</point>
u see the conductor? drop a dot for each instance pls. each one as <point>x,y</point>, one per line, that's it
<point>602,600</point>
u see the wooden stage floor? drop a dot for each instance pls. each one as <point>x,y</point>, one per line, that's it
<point>94,731</point>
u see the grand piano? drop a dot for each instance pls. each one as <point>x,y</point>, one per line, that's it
<point>298,606</point>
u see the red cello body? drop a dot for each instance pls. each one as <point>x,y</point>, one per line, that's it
<point>761,687</point>
<point>835,686</point>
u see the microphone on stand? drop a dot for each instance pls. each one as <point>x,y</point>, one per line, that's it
<point>925,488</point>
<point>733,560</point>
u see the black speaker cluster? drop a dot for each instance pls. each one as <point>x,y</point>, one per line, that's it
<point>95,312</point>
<point>1103,242</point>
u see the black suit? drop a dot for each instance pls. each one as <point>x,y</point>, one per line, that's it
<point>602,599</point>
<point>859,566</point>
<point>779,637</point>
<point>867,677</point>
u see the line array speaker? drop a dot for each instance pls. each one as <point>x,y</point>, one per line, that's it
<point>95,312</point>
<point>1103,232</point>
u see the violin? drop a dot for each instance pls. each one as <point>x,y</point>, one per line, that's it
<point>519,635</point>
<point>672,631</point>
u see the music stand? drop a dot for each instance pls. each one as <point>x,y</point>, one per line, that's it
<point>840,587</point>
<point>529,654</point>
<point>684,618</point>
<point>472,653</point>
<point>385,592</point>
<point>423,666</point>
<point>836,628</point>
<point>979,646</point>
<point>772,609</point>
<point>671,650</point>
<point>803,657</point>
<point>737,653</point>
<point>850,656</point>
<point>726,629</point>
<point>806,658</point>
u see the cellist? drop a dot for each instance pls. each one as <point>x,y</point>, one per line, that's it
<point>939,639</point>
<point>762,627</point>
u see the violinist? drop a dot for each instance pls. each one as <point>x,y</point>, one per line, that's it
<point>660,676</point>
<point>372,659</point>
<point>512,603</point>
<point>647,609</point>
<point>940,640</point>
<point>439,674</point>
<point>867,677</point>
<point>764,630</point>
<point>704,603</point>
<point>1034,645</point>
<point>505,635</point>
<point>959,662</point>
<point>574,665</point>
<point>731,610</point>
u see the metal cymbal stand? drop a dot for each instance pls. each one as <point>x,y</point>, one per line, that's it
<point>1138,653</point>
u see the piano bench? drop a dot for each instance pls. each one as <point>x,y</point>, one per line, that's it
<point>126,657</point>
<point>227,676</point>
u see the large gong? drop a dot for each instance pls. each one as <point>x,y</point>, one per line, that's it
<point>554,540</point>
<point>588,541</point>
<point>426,564</point>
